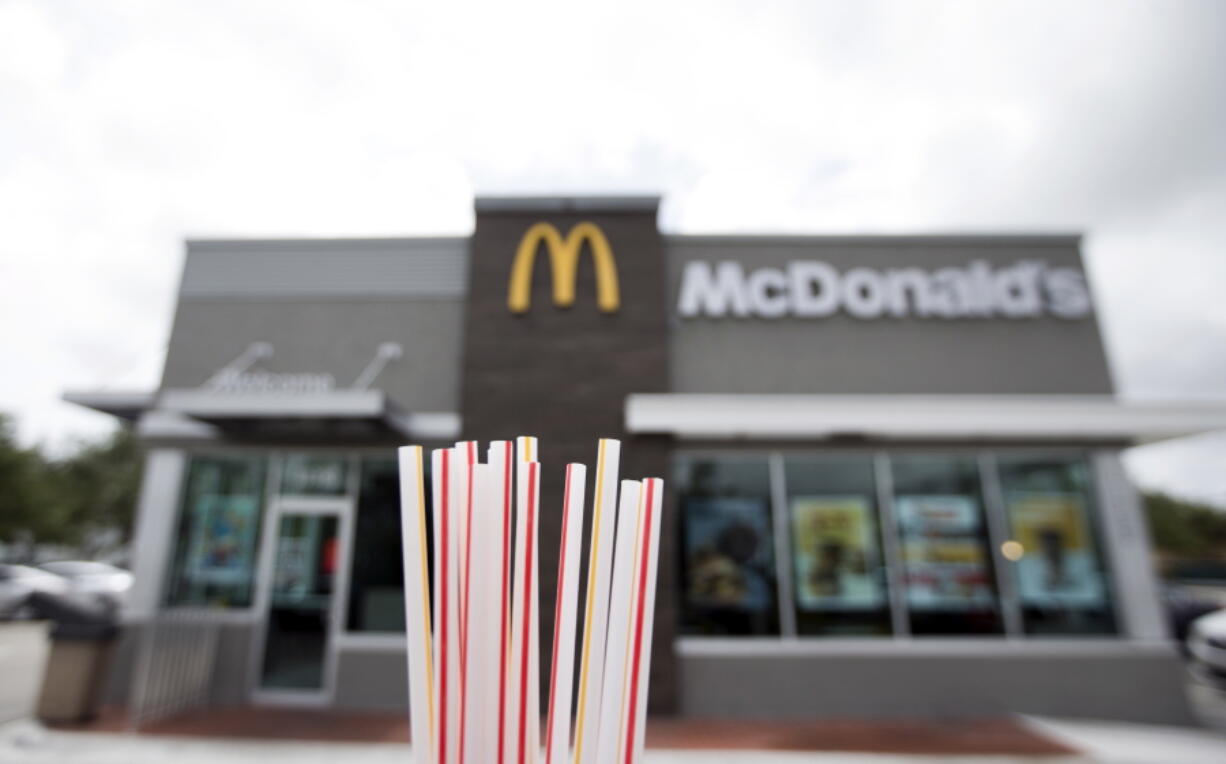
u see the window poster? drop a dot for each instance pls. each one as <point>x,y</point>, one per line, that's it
<point>310,475</point>
<point>223,544</point>
<point>292,573</point>
<point>943,552</point>
<point>835,554</point>
<point>728,553</point>
<point>1058,565</point>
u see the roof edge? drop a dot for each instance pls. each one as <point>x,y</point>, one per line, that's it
<point>546,204</point>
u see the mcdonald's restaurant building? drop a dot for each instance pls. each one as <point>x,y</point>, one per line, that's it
<point>893,462</point>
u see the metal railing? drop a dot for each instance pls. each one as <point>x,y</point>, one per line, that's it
<point>174,666</point>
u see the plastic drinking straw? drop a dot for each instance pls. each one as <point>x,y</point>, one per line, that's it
<point>531,679</point>
<point>526,714</point>
<point>644,617</point>
<point>595,619</point>
<point>502,458</point>
<point>455,511</point>
<point>484,645</point>
<point>467,459</point>
<point>441,463</point>
<point>614,686</point>
<point>562,666</point>
<point>517,672</point>
<point>417,603</point>
<point>533,710</point>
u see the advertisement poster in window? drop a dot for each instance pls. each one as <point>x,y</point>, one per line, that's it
<point>292,574</point>
<point>728,553</point>
<point>223,544</point>
<point>835,554</point>
<point>1057,566</point>
<point>943,552</point>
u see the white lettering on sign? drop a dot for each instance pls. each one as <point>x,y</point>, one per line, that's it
<point>233,381</point>
<point>814,289</point>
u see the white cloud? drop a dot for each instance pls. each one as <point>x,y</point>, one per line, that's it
<point>127,126</point>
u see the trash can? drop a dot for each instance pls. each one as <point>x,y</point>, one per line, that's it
<point>82,639</point>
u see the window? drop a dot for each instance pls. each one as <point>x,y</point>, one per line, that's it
<point>218,532</point>
<point>1061,580</point>
<point>838,570</point>
<point>924,543</point>
<point>314,475</point>
<point>948,579</point>
<point>727,545</point>
<point>376,585</point>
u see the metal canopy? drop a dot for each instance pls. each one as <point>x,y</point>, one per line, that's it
<point>906,417</point>
<point>336,415</point>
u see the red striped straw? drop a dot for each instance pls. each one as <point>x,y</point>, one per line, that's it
<point>562,664</point>
<point>469,449</point>
<point>526,613</point>
<point>502,456</point>
<point>644,620</point>
<point>442,556</point>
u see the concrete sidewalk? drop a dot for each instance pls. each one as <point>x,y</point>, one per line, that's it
<point>1127,743</point>
<point>25,742</point>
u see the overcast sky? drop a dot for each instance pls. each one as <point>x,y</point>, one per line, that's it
<point>126,125</point>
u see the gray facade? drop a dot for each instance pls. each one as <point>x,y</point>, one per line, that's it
<point>329,336</point>
<point>860,681</point>
<point>325,306</point>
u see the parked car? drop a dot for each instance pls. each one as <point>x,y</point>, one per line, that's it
<point>1207,643</point>
<point>1183,606</point>
<point>93,581</point>
<point>18,582</point>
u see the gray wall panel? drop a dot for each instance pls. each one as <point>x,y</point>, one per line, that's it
<point>122,667</point>
<point>841,354</point>
<point>1113,685</point>
<point>333,336</point>
<point>232,671</point>
<point>326,267</point>
<point>372,680</point>
<point>231,668</point>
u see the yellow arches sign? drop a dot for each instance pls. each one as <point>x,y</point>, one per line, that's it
<point>564,266</point>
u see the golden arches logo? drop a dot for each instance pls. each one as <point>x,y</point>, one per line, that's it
<point>564,266</point>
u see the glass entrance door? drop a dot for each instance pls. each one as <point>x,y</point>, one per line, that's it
<point>304,580</point>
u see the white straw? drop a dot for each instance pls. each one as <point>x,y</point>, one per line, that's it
<point>416,602</point>
<point>502,459</point>
<point>644,615</point>
<point>520,739</point>
<point>532,721</point>
<point>614,685</point>
<point>466,460</point>
<point>484,646</point>
<point>595,620</point>
<point>445,622</point>
<point>562,669</point>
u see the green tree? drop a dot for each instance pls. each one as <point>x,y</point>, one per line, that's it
<point>95,490</point>
<point>1184,529</point>
<point>78,500</point>
<point>27,514</point>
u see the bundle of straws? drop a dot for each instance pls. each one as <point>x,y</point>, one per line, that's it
<point>474,681</point>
